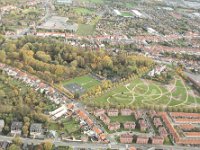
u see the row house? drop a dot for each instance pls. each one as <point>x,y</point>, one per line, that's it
<point>126,112</point>
<point>142,140</point>
<point>187,120</point>
<point>34,82</point>
<point>192,134</point>
<point>152,114</point>
<point>169,126</point>
<point>184,115</point>
<point>157,122</point>
<point>138,114</point>
<point>186,127</point>
<point>157,140</point>
<point>143,125</point>
<point>99,112</point>
<point>126,138</point>
<point>129,125</point>
<point>114,126</point>
<point>162,132</point>
<point>105,119</point>
<point>113,112</point>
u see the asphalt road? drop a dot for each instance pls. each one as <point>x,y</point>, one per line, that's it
<point>100,146</point>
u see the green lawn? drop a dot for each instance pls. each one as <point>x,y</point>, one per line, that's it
<point>140,92</point>
<point>122,119</point>
<point>83,11</point>
<point>126,14</point>
<point>85,29</point>
<point>85,81</point>
<point>70,126</point>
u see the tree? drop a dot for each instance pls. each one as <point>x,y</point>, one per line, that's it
<point>14,147</point>
<point>5,130</point>
<point>48,145</point>
<point>25,130</point>
<point>2,56</point>
<point>17,140</point>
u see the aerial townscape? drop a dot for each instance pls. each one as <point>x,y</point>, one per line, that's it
<point>99,74</point>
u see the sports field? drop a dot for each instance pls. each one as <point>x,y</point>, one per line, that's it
<point>140,92</point>
<point>85,81</point>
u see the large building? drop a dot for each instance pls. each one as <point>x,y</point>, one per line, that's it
<point>64,1</point>
<point>126,138</point>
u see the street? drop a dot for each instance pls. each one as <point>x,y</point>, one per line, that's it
<point>99,145</point>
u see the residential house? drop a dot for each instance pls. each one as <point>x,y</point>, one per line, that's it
<point>129,125</point>
<point>105,119</point>
<point>114,126</point>
<point>157,122</point>
<point>162,132</point>
<point>2,124</point>
<point>157,140</point>
<point>97,130</point>
<point>126,138</point>
<point>113,112</point>
<point>99,112</point>
<point>36,130</point>
<point>126,112</point>
<point>142,140</point>
<point>16,128</point>
<point>152,114</point>
<point>143,125</point>
<point>4,145</point>
<point>138,114</point>
<point>89,122</point>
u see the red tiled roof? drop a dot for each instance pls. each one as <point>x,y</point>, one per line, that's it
<point>185,115</point>
<point>97,130</point>
<point>192,134</point>
<point>186,120</point>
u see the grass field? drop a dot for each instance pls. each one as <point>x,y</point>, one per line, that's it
<point>85,81</point>
<point>140,92</point>
<point>122,119</point>
<point>126,14</point>
<point>83,11</point>
<point>69,126</point>
<point>85,29</point>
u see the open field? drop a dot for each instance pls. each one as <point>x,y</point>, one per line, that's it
<point>85,29</point>
<point>126,14</point>
<point>122,119</point>
<point>83,11</point>
<point>71,127</point>
<point>140,92</point>
<point>85,81</point>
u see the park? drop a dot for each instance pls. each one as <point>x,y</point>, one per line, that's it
<point>140,92</point>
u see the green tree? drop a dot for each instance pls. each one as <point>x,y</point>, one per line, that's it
<point>2,56</point>
<point>14,147</point>
<point>48,145</point>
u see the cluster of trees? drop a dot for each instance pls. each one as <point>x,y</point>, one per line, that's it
<point>46,145</point>
<point>54,61</point>
<point>107,85</point>
<point>18,101</point>
<point>164,77</point>
<point>185,56</point>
